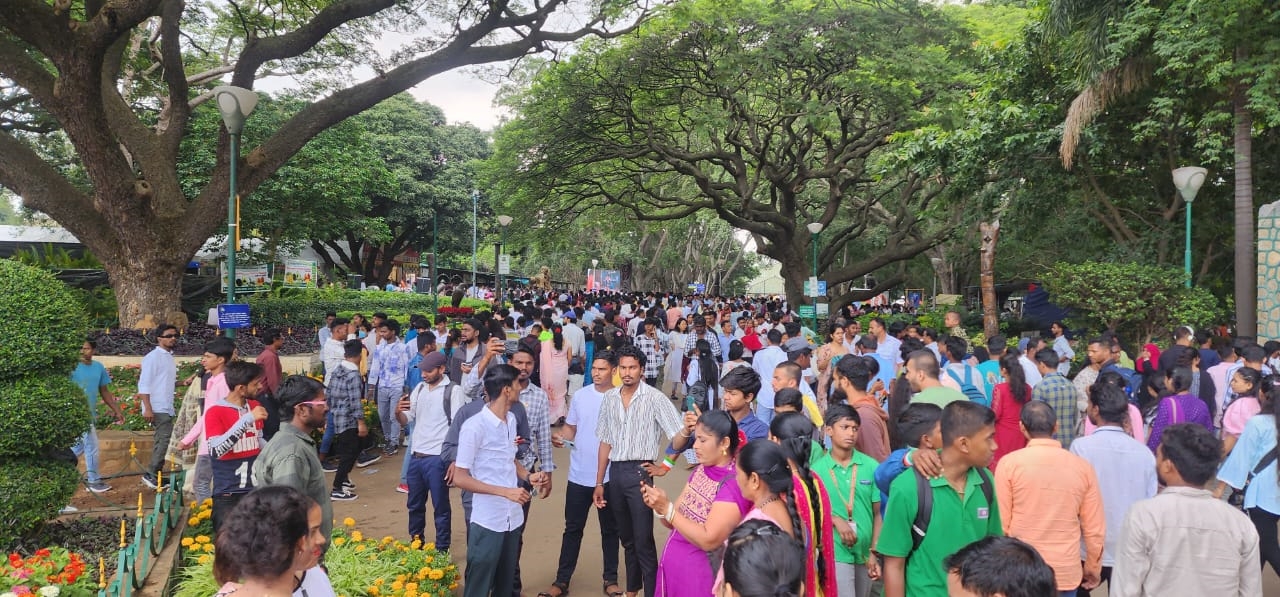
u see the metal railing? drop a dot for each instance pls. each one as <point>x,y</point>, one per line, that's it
<point>150,534</point>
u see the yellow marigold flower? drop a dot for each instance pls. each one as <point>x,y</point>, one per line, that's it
<point>208,548</point>
<point>430,546</point>
<point>413,586</point>
<point>348,522</point>
<point>204,560</point>
<point>373,558</point>
<point>193,521</point>
<point>451,567</point>
<point>388,539</point>
<point>339,541</point>
<point>205,514</point>
<point>429,559</point>
<point>207,503</point>
<point>378,582</point>
<point>202,538</point>
<point>436,574</point>
<point>424,570</point>
<point>410,594</point>
<point>188,541</point>
<point>372,590</point>
<point>359,548</point>
<point>453,586</point>
<point>397,586</point>
<point>357,536</point>
<point>416,543</point>
<point>400,578</point>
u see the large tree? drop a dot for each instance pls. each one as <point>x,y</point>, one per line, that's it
<point>770,115</point>
<point>119,80</point>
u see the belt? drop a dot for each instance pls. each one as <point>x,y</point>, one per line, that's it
<point>421,455</point>
<point>631,462</point>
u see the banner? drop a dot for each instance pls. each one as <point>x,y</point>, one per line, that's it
<point>604,279</point>
<point>299,273</point>
<point>249,278</point>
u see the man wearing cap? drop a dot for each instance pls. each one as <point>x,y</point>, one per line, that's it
<point>799,352</point>
<point>430,409</point>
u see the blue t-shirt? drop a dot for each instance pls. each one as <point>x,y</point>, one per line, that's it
<point>91,378</point>
<point>990,371</point>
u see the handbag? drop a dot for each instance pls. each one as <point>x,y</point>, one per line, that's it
<point>1237,496</point>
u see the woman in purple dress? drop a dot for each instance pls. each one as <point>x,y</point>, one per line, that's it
<point>1179,406</point>
<point>708,509</point>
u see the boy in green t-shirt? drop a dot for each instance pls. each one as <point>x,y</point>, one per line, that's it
<point>849,478</point>
<point>961,510</point>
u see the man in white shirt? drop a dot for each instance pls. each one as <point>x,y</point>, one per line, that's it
<point>430,410</point>
<point>886,345</point>
<point>1184,541</point>
<point>576,339</point>
<point>332,349</point>
<point>486,466</point>
<point>1029,347</point>
<point>156,382</point>
<point>764,362</point>
<point>579,433</point>
<point>1062,346</point>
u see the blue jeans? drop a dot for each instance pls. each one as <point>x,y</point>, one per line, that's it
<point>426,479</point>
<point>88,446</point>
<point>1071,593</point>
<point>202,485</point>
<point>404,468</point>
<point>387,397</point>
<point>326,442</point>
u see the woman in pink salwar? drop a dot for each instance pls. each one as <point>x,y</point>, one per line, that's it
<point>554,370</point>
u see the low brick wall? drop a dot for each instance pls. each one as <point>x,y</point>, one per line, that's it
<point>113,452</point>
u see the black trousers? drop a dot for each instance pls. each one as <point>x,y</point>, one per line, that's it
<point>635,524</point>
<point>577,508</point>
<point>222,507</point>
<point>1268,546</point>
<point>346,446</point>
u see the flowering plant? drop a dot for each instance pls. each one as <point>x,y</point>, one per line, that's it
<point>357,567</point>
<point>456,311</point>
<point>50,572</point>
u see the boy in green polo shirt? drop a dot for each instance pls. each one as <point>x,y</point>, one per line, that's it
<point>961,511</point>
<point>849,478</point>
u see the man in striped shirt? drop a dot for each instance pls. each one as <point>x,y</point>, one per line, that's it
<point>635,422</point>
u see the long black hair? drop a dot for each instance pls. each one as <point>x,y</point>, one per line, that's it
<point>768,460</point>
<point>794,433</point>
<point>721,424</point>
<point>708,370</point>
<point>761,560</point>
<point>1016,378</point>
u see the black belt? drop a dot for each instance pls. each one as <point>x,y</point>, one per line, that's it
<point>632,462</point>
<point>421,455</point>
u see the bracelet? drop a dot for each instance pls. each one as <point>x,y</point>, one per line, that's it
<point>667,463</point>
<point>684,433</point>
<point>671,510</point>
<point>906,459</point>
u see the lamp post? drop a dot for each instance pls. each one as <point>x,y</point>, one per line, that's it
<point>814,229</point>
<point>235,104</point>
<point>1188,180</point>
<point>937,262</point>
<point>475,199</point>
<point>503,221</point>
<point>594,264</point>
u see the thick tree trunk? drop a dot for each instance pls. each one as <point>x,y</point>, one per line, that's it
<point>990,310</point>
<point>1246,255</point>
<point>148,293</point>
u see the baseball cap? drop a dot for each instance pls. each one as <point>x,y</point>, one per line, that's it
<point>432,360</point>
<point>796,345</point>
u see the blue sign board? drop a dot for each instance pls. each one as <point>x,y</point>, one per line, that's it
<point>233,315</point>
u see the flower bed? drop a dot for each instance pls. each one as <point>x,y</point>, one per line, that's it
<point>357,566</point>
<point>49,572</point>
<point>124,385</point>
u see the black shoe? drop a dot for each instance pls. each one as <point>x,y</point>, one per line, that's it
<point>329,466</point>
<point>149,480</point>
<point>366,459</point>
<point>342,496</point>
<point>348,485</point>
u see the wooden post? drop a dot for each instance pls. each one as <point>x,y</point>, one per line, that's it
<point>990,310</point>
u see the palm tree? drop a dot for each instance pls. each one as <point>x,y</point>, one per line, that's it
<point>1085,27</point>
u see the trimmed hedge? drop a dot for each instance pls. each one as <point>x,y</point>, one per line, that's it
<point>307,307</point>
<point>55,318</point>
<point>39,412</point>
<point>34,490</point>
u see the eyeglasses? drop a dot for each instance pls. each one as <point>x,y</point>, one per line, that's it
<point>168,336</point>
<point>313,403</point>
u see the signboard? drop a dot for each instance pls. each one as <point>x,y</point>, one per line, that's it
<point>233,315</point>
<point>809,284</point>
<point>504,265</point>
<point>249,278</point>
<point>824,309</point>
<point>298,273</point>
<point>806,311</point>
<point>697,288</point>
<point>604,279</point>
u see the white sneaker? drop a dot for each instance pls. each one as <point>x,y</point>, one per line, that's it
<point>68,509</point>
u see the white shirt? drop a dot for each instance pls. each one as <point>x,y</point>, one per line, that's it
<point>1063,347</point>
<point>426,414</point>
<point>890,348</point>
<point>487,449</point>
<point>576,339</point>
<point>1030,370</point>
<point>332,353</point>
<point>584,413</point>
<point>764,362</point>
<point>158,378</point>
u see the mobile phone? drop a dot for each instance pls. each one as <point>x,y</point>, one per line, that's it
<point>569,443</point>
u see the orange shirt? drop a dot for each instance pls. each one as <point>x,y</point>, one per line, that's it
<point>1049,498</point>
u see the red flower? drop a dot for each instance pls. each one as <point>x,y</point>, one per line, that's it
<point>43,553</point>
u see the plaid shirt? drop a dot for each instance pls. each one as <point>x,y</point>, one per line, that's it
<point>539,408</point>
<point>1058,391</point>
<point>654,355</point>
<point>343,394</point>
<point>691,342</point>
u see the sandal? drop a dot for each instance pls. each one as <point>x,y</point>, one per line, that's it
<point>617,592</point>
<point>563,587</point>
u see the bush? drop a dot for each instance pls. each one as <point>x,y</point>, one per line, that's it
<point>39,412</point>
<point>34,490</point>
<point>307,307</point>
<point>56,316</point>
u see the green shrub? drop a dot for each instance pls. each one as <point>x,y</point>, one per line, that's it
<point>34,490</point>
<point>39,412</point>
<point>52,319</point>
<point>307,307</point>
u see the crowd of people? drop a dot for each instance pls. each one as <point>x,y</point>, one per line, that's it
<point>895,460</point>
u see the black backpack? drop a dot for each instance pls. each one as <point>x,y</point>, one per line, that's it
<point>924,504</point>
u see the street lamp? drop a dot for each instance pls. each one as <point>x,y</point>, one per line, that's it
<point>475,199</point>
<point>814,229</point>
<point>235,104</point>
<point>1188,180</point>
<point>503,221</point>
<point>594,264</point>
<point>937,263</point>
